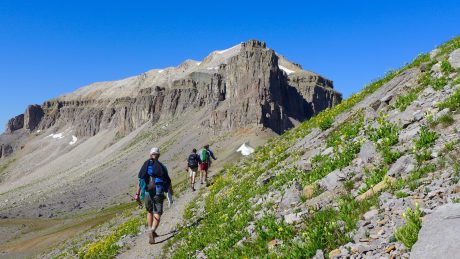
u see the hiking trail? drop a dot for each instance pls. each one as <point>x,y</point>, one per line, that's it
<point>171,217</point>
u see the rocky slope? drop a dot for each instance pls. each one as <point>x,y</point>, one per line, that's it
<point>356,181</point>
<point>83,149</point>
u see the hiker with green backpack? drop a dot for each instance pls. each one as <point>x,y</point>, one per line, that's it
<point>205,157</point>
<point>153,183</point>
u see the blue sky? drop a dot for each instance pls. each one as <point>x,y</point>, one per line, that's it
<point>48,48</point>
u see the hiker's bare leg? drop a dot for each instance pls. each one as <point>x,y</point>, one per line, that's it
<point>156,221</point>
<point>149,219</point>
<point>206,176</point>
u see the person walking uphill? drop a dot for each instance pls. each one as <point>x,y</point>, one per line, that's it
<point>205,157</point>
<point>153,182</point>
<point>192,166</point>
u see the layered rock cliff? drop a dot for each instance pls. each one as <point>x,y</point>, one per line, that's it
<point>247,84</point>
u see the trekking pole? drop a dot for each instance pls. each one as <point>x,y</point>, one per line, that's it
<point>133,199</point>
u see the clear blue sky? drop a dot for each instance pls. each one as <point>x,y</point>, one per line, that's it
<point>48,48</point>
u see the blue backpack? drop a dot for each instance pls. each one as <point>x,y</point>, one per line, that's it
<point>156,184</point>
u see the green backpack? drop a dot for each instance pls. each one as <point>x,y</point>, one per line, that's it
<point>204,155</point>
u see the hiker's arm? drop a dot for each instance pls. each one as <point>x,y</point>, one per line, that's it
<point>168,179</point>
<point>138,191</point>
<point>212,155</point>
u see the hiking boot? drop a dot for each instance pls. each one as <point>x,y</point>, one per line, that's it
<point>152,237</point>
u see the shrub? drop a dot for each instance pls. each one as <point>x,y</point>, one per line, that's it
<point>385,135</point>
<point>348,185</point>
<point>373,177</point>
<point>446,67</point>
<point>453,102</point>
<point>439,83</point>
<point>401,194</point>
<point>446,119</point>
<point>456,81</point>
<point>408,233</point>
<point>426,138</point>
<point>405,100</point>
<point>326,123</point>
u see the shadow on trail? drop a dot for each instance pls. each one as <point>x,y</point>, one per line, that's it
<point>176,231</point>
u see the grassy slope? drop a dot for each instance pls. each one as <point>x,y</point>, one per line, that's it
<point>228,210</point>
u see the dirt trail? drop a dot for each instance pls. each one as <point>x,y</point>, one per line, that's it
<point>171,217</point>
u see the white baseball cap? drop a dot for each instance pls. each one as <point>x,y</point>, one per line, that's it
<point>154,151</point>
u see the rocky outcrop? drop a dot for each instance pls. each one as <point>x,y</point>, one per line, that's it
<point>240,86</point>
<point>5,150</point>
<point>439,237</point>
<point>257,91</point>
<point>32,117</point>
<point>15,123</point>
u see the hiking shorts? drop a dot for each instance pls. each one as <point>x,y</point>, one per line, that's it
<point>192,171</point>
<point>154,204</point>
<point>204,166</point>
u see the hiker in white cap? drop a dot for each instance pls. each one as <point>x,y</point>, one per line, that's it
<point>153,183</point>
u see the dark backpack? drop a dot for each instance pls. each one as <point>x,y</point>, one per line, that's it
<point>193,161</point>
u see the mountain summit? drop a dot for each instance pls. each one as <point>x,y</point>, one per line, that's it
<point>101,132</point>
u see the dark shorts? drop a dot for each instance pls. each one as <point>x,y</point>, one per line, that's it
<point>204,166</point>
<point>154,204</point>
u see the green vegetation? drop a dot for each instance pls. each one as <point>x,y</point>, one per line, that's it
<point>453,102</point>
<point>401,194</point>
<point>405,100</point>
<point>456,81</point>
<point>348,185</point>
<point>449,46</point>
<point>228,210</point>
<point>373,177</point>
<point>445,120</point>
<point>6,164</point>
<point>385,135</point>
<point>326,123</point>
<point>105,246</point>
<point>426,138</point>
<point>446,67</point>
<point>413,181</point>
<point>408,233</point>
<point>439,83</point>
<point>223,202</point>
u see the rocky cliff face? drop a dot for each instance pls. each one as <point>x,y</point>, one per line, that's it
<point>244,85</point>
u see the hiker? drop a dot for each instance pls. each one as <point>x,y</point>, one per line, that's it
<point>153,182</point>
<point>192,166</point>
<point>205,157</point>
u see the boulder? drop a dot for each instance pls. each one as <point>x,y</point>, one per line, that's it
<point>439,236</point>
<point>370,214</point>
<point>291,197</point>
<point>368,153</point>
<point>308,191</point>
<point>454,58</point>
<point>292,218</point>
<point>402,166</point>
<point>319,254</point>
<point>333,180</point>
<point>6,150</point>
